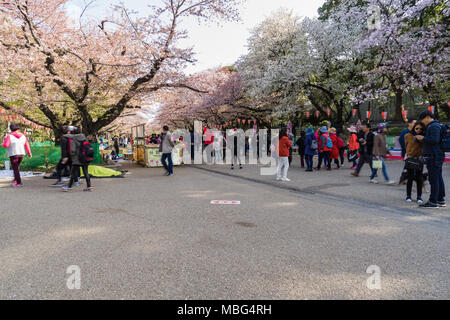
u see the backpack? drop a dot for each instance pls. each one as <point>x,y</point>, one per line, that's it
<point>445,137</point>
<point>86,154</point>
<point>314,145</point>
<point>329,142</point>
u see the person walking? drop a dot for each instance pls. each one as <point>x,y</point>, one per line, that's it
<point>401,140</point>
<point>236,157</point>
<point>342,147</point>
<point>310,148</point>
<point>379,153</point>
<point>283,155</point>
<point>353,147</point>
<point>334,152</point>
<point>77,140</point>
<point>66,160</point>
<point>366,140</point>
<point>166,148</point>
<point>301,148</point>
<point>17,144</point>
<point>434,157</point>
<point>414,165</point>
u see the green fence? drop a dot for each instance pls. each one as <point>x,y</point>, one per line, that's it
<point>45,154</point>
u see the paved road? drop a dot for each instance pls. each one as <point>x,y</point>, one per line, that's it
<point>152,237</point>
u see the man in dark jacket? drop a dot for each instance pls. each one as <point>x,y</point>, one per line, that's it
<point>365,139</point>
<point>434,157</point>
<point>65,161</point>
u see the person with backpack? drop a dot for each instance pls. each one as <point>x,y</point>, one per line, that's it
<point>353,147</point>
<point>413,163</point>
<point>365,139</point>
<point>325,145</point>
<point>334,152</point>
<point>301,148</point>
<point>310,148</point>
<point>81,154</point>
<point>380,151</point>
<point>17,144</point>
<point>434,141</point>
<point>283,155</point>
<point>66,161</point>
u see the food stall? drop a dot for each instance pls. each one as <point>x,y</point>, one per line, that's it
<point>149,155</point>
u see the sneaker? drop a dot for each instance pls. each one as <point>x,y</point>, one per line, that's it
<point>419,201</point>
<point>409,200</point>
<point>17,186</point>
<point>76,184</point>
<point>240,167</point>
<point>391,182</point>
<point>442,204</point>
<point>65,179</point>
<point>278,179</point>
<point>66,189</point>
<point>90,189</point>
<point>170,175</point>
<point>58,184</point>
<point>355,174</point>
<point>373,181</point>
<point>285,179</point>
<point>429,205</point>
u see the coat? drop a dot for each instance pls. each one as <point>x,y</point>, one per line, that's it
<point>334,154</point>
<point>75,145</point>
<point>379,145</point>
<point>308,141</point>
<point>283,147</point>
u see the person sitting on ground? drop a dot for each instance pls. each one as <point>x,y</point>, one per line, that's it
<point>414,165</point>
<point>17,144</point>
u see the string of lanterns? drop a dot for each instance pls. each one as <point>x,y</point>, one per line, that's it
<point>14,117</point>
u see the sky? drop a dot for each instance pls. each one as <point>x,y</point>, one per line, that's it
<point>214,45</point>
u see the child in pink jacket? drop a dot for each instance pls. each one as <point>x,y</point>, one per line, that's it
<point>17,144</point>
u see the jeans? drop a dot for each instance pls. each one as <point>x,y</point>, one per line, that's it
<point>309,161</point>
<point>76,174</point>
<point>375,171</point>
<point>283,165</point>
<point>434,167</point>
<point>15,164</point>
<point>364,158</point>
<point>167,156</point>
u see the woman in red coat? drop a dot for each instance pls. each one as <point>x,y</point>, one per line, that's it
<point>334,154</point>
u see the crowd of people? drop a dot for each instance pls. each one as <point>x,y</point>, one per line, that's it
<point>423,144</point>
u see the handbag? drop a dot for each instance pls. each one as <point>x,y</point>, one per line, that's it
<point>413,164</point>
<point>377,164</point>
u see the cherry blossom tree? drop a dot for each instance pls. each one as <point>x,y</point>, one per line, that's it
<point>56,71</point>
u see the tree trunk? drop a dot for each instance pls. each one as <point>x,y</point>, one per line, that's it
<point>398,105</point>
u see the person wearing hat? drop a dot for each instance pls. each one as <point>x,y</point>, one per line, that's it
<point>434,157</point>
<point>324,148</point>
<point>334,152</point>
<point>66,161</point>
<point>353,147</point>
<point>379,153</point>
<point>310,148</point>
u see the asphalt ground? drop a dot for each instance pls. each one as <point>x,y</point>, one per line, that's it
<point>148,236</point>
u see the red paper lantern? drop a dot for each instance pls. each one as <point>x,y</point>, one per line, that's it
<point>308,114</point>
<point>354,111</point>
<point>431,108</point>
<point>369,113</point>
<point>317,113</point>
<point>384,115</point>
<point>405,115</point>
